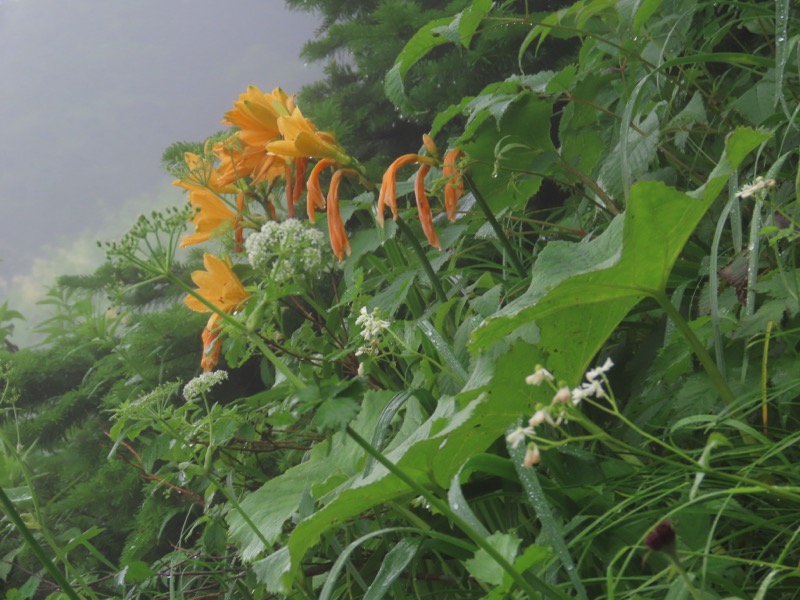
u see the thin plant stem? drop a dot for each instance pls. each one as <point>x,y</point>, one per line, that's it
<point>27,536</point>
<point>423,259</point>
<point>676,562</point>
<point>697,346</point>
<point>532,588</point>
<point>501,235</point>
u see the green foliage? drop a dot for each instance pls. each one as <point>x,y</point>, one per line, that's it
<point>416,421</point>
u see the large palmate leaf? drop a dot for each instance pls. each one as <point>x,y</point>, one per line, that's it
<point>276,501</point>
<point>459,428</point>
<point>576,302</point>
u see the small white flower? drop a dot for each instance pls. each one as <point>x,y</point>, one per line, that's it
<point>563,396</point>
<point>538,376</point>
<point>202,383</point>
<point>579,394</point>
<point>540,416</point>
<point>370,350</point>
<point>360,369</point>
<point>519,435</point>
<point>756,187</point>
<point>532,456</point>
<point>587,390</point>
<point>371,325</point>
<point>594,374</point>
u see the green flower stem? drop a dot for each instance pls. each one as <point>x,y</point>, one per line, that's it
<point>279,365</point>
<point>676,562</point>
<point>532,588</point>
<point>501,235</point>
<point>423,259</point>
<point>16,519</point>
<point>702,354</point>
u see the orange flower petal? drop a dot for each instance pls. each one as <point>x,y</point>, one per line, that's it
<point>424,208</point>
<point>388,193</point>
<point>338,235</point>
<point>314,197</point>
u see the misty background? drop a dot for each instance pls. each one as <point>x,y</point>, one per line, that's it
<point>92,92</point>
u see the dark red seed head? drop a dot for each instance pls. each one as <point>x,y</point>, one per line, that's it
<point>662,536</point>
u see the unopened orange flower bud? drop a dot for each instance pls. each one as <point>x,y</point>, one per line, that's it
<point>339,242</point>
<point>430,145</point>
<point>453,185</point>
<point>424,208</point>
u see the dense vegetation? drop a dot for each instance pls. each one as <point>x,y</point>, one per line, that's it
<point>559,360</point>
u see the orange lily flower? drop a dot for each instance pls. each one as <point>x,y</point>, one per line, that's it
<point>220,286</point>
<point>454,185</point>
<point>246,161</point>
<point>256,115</point>
<point>314,198</point>
<point>338,235</point>
<point>211,214</point>
<point>424,208</point>
<point>300,139</point>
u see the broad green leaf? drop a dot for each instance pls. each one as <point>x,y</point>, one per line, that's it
<point>270,570</point>
<point>644,10</point>
<point>270,506</point>
<point>8,561</point>
<point>523,127</point>
<point>459,428</point>
<point>335,414</point>
<point>471,18</point>
<point>425,40</point>
<point>631,156</point>
<point>483,568</point>
<point>135,572</point>
<point>577,315</point>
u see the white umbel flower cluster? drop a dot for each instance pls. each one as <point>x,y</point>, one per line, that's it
<point>202,383</point>
<point>287,250</point>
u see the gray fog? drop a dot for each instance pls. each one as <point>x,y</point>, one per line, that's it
<point>93,91</point>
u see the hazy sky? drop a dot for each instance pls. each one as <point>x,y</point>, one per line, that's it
<point>93,91</point>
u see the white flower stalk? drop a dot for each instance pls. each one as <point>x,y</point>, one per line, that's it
<point>594,388</point>
<point>598,372</point>
<point>202,383</point>
<point>371,325</point>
